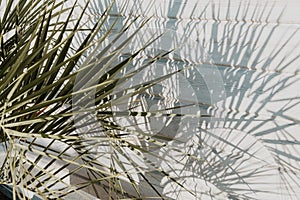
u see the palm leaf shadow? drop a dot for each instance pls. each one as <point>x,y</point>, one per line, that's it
<point>226,170</point>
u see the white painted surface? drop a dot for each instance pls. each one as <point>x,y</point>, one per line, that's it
<point>255,47</point>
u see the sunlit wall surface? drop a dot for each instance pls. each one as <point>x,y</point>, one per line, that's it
<point>246,58</point>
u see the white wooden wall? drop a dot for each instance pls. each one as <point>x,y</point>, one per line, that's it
<point>253,48</point>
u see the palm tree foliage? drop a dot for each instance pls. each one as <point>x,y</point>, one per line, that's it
<point>45,80</point>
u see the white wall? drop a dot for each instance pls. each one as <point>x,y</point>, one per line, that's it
<point>250,51</point>
<point>254,45</point>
